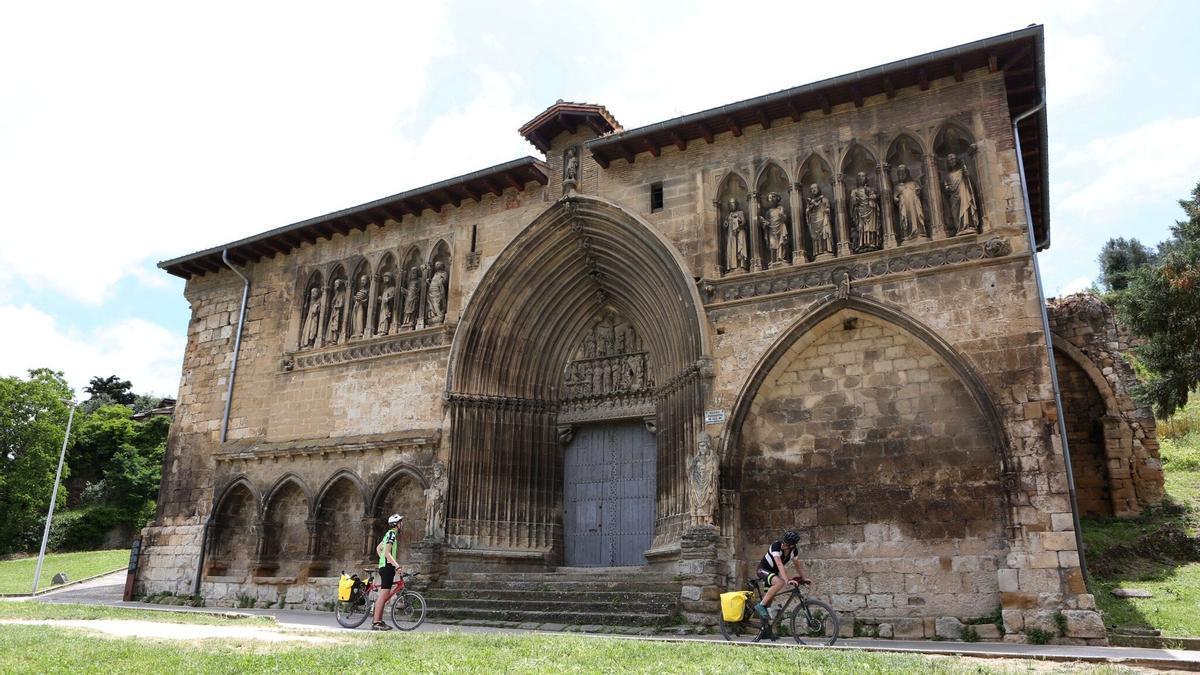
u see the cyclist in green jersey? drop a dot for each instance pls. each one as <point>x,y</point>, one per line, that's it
<point>387,568</point>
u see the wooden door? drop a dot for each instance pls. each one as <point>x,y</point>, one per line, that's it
<point>608,515</point>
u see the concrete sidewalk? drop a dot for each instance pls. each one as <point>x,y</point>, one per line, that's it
<point>107,591</point>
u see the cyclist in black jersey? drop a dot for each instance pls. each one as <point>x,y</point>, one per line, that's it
<point>772,569</point>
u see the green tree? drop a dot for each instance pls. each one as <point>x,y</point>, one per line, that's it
<point>1119,259</point>
<point>114,388</point>
<point>33,419</point>
<point>1161,303</point>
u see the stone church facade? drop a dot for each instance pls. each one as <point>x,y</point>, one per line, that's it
<point>661,347</point>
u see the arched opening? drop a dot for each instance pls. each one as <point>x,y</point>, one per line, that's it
<point>360,301</point>
<point>402,492</point>
<point>817,196</point>
<point>234,531</point>
<point>340,513</point>
<point>285,529</point>
<point>860,430</point>
<point>774,210</point>
<point>310,311</point>
<point>733,225</point>
<point>909,186</point>
<point>582,260</point>
<point>438,286</point>
<point>862,199</point>
<point>386,310</point>
<point>338,306</point>
<point>1084,411</point>
<point>954,148</point>
<point>412,292</point>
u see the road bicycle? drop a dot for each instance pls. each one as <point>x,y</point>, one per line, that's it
<point>408,607</point>
<point>811,622</point>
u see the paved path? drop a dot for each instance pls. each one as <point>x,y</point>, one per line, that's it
<point>107,591</point>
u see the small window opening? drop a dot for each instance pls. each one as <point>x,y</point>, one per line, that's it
<point>474,236</point>
<point>656,197</point>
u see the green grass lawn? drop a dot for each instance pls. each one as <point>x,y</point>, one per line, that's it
<point>38,649</point>
<point>16,576</point>
<point>41,610</point>
<point>1175,585</point>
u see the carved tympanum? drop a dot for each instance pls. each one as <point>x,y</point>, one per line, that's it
<point>609,361</point>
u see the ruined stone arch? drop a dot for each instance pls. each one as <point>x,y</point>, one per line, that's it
<point>1095,431</point>
<point>897,445</point>
<point>528,315</point>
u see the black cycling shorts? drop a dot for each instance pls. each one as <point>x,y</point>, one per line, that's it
<point>766,575</point>
<point>387,575</point>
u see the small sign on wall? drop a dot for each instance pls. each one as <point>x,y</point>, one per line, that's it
<point>714,416</point>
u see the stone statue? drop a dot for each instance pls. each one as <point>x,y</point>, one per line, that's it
<point>387,299</point>
<point>337,310</point>
<point>436,309</point>
<point>603,340</point>
<point>571,168</point>
<point>598,371</point>
<point>412,298</point>
<point>908,204</point>
<point>734,228</point>
<point>702,481</point>
<point>961,193</point>
<point>312,319</point>
<point>820,223</point>
<point>435,502</point>
<point>358,310</point>
<point>631,342</point>
<point>774,223</point>
<point>636,374</point>
<point>589,345</point>
<point>864,214</point>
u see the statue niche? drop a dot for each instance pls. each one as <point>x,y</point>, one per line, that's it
<point>310,312</point>
<point>385,301</point>
<point>336,322</point>
<point>733,225</point>
<point>906,161</point>
<point>438,286</point>
<point>960,191</point>
<point>862,200</point>
<point>608,362</point>
<point>774,218</point>
<point>413,287</point>
<point>360,298</point>
<point>816,181</point>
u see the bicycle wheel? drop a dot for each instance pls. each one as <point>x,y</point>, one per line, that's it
<point>408,610</point>
<point>353,612</point>
<point>815,623</point>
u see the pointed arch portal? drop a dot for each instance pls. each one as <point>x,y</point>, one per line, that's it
<point>581,260</point>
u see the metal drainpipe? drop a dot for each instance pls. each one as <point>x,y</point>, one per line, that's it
<point>237,347</point>
<point>1058,407</point>
<point>237,343</point>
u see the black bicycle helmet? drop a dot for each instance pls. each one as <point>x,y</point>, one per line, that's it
<point>791,537</point>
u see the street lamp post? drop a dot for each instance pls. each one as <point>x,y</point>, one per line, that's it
<point>53,498</point>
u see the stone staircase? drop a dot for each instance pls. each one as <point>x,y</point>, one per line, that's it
<point>565,599</point>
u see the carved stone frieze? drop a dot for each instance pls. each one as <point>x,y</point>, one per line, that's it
<point>412,341</point>
<point>727,290</point>
<point>427,439</point>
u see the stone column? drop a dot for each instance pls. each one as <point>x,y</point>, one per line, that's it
<point>368,536</point>
<point>754,232</point>
<point>699,570</point>
<point>841,227</point>
<point>887,208</point>
<point>324,322</point>
<point>797,215</point>
<point>938,227</point>
<point>424,303</point>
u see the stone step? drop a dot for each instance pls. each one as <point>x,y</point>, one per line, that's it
<point>565,617</point>
<point>610,597</point>
<point>633,604</point>
<point>560,584</point>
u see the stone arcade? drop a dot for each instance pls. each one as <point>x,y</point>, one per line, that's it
<point>521,360</point>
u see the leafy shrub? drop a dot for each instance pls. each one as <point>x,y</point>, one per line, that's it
<point>1037,636</point>
<point>1181,453</point>
<point>1060,622</point>
<point>969,634</point>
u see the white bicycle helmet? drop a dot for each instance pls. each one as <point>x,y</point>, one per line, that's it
<point>394,518</point>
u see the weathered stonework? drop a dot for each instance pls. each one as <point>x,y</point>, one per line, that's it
<point>883,388</point>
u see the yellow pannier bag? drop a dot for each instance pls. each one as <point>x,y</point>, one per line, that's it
<point>345,585</point>
<point>733,605</point>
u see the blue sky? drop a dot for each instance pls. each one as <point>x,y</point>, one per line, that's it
<point>136,132</point>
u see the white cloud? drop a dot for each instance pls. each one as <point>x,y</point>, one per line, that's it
<point>1154,163</point>
<point>1076,285</point>
<point>142,352</point>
